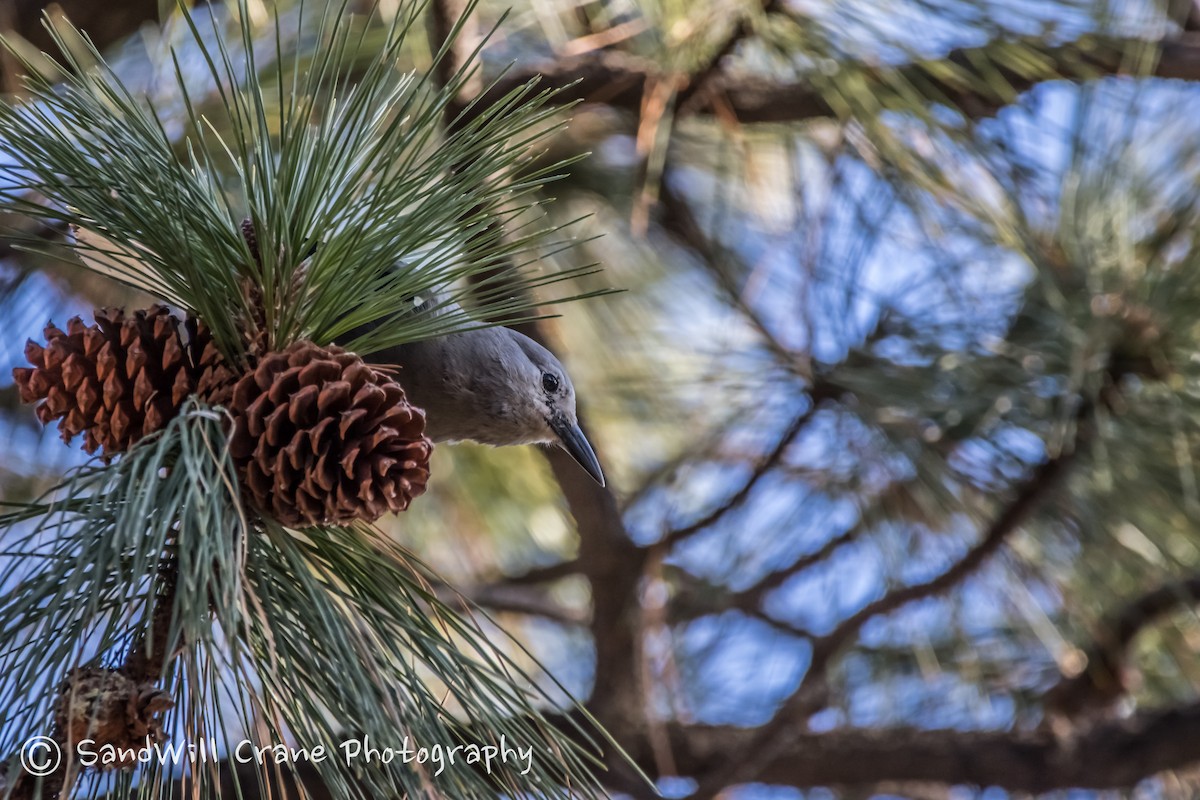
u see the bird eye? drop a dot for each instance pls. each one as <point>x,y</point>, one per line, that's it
<point>550,382</point>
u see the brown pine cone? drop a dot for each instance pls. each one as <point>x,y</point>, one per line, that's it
<point>321,438</point>
<point>112,709</point>
<point>252,320</point>
<point>123,378</point>
<point>115,382</point>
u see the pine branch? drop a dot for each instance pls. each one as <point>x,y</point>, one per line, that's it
<point>962,79</point>
<point>365,178</point>
<point>104,535</point>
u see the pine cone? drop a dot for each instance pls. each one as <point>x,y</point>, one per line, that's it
<point>252,322</point>
<point>251,237</point>
<point>113,709</point>
<point>214,378</point>
<point>116,381</point>
<point>320,437</point>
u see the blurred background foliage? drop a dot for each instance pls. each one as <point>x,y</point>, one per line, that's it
<point>899,405</point>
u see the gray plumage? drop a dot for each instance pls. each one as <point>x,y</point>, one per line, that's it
<point>495,386</point>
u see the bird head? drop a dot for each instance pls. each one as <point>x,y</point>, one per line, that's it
<point>541,399</point>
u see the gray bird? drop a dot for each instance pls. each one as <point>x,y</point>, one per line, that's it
<point>494,386</point>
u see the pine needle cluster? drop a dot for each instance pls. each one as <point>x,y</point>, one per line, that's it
<point>153,572</point>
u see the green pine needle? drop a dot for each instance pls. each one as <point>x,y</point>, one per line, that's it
<point>82,567</point>
<point>360,201</point>
<point>317,638</point>
<point>359,197</point>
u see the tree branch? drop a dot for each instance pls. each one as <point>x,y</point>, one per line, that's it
<point>1114,755</point>
<point>505,597</point>
<point>965,79</point>
<point>769,742</point>
<point>765,465</point>
<point>1035,489</point>
<point>550,572</point>
<point>1102,682</point>
<point>753,596</point>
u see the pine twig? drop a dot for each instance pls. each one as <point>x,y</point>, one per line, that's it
<point>145,658</point>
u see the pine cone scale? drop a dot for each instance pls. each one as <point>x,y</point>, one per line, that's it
<point>295,450</point>
<point>106,361</point>
<point>180,388</point>
<point>349,418</point>
<point>322,474</point>
<point>88,399</point>
<point>74,372</point>
<point>144,390</point>
<point>321,434</point>
<point>302,410</point>
<point>35,354</point>
<point>24,378</point>
<point>333,395</point>
<point>279,428</point>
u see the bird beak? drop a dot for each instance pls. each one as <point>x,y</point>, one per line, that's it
<point>576,444</point>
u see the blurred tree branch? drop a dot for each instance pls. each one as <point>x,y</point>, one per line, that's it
<point>1113,755</point>
<point>754,595</point>
<point>1032,493</point>
<point>550,572</point>
<point>779,737</point>
<point>1109,756</point>
<point>504,597</point>
<point>764,465</point>
<point>1102,681</point>
<point>966,78</point>
<point>105,23</point>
